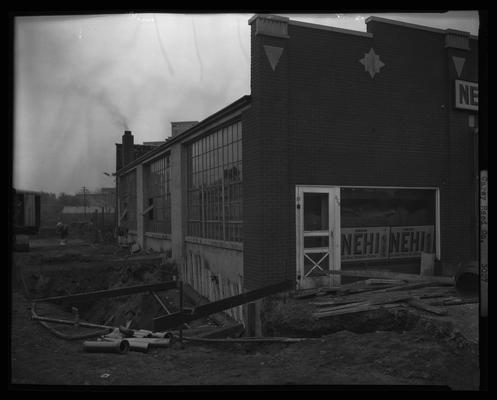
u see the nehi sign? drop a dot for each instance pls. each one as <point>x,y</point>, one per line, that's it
<point>466,95</point>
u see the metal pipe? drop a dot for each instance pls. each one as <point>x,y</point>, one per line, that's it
<point>181,310</point>
<point>74,337</point>
<point>67,322</point>
<point>120,347</point>
<point>141,342</point>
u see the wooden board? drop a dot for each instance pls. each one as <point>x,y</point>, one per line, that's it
<point>420,305</point>
<point>353,310</point>
<point>394,275</point>
<point>90,296</point>
<point>175,319</point>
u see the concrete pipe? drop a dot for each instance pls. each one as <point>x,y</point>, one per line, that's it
<point>142,347</point>
<point>120,347</point>
<point>468,280</point>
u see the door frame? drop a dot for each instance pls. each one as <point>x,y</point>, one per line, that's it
<point>333,232</point>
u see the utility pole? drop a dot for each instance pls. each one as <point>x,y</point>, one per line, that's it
<point>84,200</point>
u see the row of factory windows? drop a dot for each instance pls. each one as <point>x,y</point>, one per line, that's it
<point>214,188</point>
<point>158,195</point>
<point>215,185</point>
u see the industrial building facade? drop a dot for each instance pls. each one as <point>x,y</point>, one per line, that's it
<point>353,148</point>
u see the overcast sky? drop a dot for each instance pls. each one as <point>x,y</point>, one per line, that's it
<point>81,80</point>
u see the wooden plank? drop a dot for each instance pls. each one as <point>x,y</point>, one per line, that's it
<point>337,302</point>
<point>125,211</point>
<point>420,305</point>
<point>379,281</point>
<point>353,310</point>
<point>175,319</point>
<point>406,287</point>
<point>147,210</point>
<point>394,275</point>
<point>197,299</point>
<point>307,294</point>
<point>90,296</point>
<point>453,301</point>
<point>243,298</point>
<point>334,306</point>
<point>376,300</point>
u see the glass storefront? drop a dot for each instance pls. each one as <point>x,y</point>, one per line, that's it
<point>387,224</point>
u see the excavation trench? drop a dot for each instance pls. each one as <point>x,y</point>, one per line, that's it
<point>136,311</point>
<point>282,316</point>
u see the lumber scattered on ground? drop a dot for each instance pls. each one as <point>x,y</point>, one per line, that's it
<point>123,291</point>
<point>426,307</point>
<point>395,275</point>
<point>453,301</point>
<point>373,294</point>
<point>353,310</point>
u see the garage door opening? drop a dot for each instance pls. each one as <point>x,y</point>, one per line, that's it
<point>388,228</point>
<point>365,228</point>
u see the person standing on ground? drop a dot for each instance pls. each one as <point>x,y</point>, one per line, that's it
<point>63,231</point>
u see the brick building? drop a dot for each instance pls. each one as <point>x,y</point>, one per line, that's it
<point>353,149</point>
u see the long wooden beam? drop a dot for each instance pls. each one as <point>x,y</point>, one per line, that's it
<point>90,296</point>
<point>394,275</point>
<point>175,319</point>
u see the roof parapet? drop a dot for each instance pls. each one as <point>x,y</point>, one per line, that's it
<point>270,25</point>
<point>416,26</point>
<point>456,39</point>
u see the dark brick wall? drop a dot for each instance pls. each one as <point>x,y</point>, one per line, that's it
<point>319,118</point>
<point>265,158</point>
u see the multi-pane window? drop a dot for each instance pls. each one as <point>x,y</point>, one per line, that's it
<point>127,200</point>
<point>158,196</point>
<point>215,185</point>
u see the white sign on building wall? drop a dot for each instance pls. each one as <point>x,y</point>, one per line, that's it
<point>466,95</point>
<point>380,243</point>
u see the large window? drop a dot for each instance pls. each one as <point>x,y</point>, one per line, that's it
<point>215,185</point>
<point>158,196</point>
<point>127,200</point>
<point>379,224</point>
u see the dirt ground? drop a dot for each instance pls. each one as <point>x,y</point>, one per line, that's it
<point>415,356</point>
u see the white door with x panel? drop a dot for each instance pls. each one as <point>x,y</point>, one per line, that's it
<point>318,235</point>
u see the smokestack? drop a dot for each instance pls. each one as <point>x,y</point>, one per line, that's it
<point>127,150</point>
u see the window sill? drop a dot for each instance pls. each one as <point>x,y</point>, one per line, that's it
<point>215,243</point>
<point>156,235</point>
